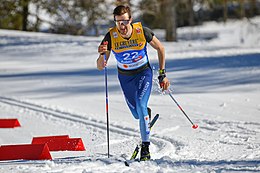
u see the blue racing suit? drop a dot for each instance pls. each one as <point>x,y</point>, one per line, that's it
<point>134,71</point>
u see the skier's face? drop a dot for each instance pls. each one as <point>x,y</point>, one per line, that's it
<point>123,24</point>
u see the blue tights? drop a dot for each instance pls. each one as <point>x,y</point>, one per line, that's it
<point>137,90</point>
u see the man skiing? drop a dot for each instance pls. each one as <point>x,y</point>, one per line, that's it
<point>128,43</point>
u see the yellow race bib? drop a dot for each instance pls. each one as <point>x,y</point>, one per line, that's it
<point>130,53</point>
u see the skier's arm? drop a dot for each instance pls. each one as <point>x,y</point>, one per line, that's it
<point>100,61</point>
<point>156,44</point>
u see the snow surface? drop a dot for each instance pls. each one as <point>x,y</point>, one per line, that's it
<point>50,83</point>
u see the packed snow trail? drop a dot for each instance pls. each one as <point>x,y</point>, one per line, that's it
<point>118,130</point>
<point>50,83</point>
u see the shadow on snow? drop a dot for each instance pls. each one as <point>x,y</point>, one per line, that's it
<point>201,75</point>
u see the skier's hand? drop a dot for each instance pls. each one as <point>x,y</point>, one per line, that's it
<point>163,80</point>
<point>102,48</point>
<point>101,63</point>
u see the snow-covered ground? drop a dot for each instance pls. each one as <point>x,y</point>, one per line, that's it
<point>50,83</point>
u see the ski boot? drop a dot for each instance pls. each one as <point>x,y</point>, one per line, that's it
<point>145,154</point>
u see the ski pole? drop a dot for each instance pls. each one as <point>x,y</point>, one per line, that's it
<point>105,60</point>
<point>194,126</point>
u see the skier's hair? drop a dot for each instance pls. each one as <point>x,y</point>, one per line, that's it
<point>121,9</point>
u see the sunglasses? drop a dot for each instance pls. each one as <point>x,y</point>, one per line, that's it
<point>124,22</point>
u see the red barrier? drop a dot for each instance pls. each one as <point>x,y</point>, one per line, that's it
<point>44,139</point>
<point>25,152</point>
<point>9,123</point>
<point>60,143</point>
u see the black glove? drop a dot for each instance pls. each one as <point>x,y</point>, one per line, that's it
<point>162,75</point>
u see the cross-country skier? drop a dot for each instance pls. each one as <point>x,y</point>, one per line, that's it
<point>128,43</point>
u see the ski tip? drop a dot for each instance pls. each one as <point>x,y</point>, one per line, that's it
<point>126,163</point>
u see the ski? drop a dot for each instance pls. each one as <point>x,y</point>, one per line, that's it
<point>153,121</point>
<point>128,162</point>
<point>136,151</point>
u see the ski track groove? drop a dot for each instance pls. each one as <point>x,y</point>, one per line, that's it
<point>232,132</point>
<point>167,146</point>
<point>67,116</point>
<point>164,144</point>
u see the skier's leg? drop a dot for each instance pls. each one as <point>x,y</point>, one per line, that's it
<point>129,90</point>
<point>143,94</point>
